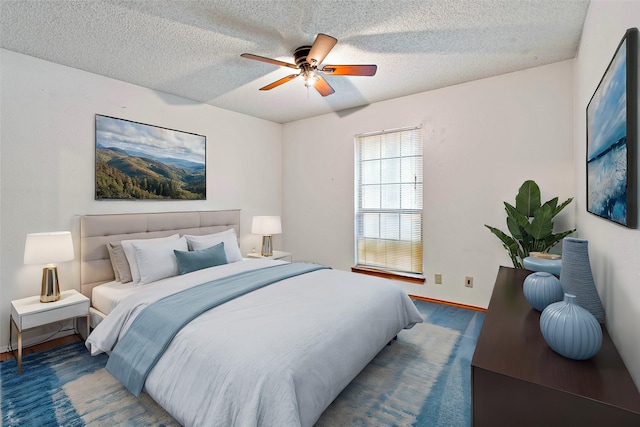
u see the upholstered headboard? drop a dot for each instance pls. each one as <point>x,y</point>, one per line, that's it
<point>98,230</point>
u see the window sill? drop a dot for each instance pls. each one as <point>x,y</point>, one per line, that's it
<point>413,278</point>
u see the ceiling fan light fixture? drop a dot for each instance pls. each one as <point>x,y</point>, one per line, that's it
<point>309,77</point>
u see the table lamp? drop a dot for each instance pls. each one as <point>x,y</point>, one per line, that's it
<point>49,248</point>
<point>267,226</point>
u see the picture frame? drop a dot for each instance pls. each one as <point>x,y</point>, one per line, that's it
<point>612,138</point>
<point>137,161</point>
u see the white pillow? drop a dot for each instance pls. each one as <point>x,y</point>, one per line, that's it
<point>156,260</point>
<point>231,249</point>
<point>130,253</point>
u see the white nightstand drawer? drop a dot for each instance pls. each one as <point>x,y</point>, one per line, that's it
<point>29,312</point>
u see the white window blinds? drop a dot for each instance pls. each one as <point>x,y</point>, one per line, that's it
<point>388,223</point>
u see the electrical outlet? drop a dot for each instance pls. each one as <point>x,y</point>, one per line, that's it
<point>438,279</point>
<point>468,281</point>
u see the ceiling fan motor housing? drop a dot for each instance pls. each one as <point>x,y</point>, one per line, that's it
<point>300,56</point>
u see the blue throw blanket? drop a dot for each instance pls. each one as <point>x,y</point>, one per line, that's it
<point>150,333</point>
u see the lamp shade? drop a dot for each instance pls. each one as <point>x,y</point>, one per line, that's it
<point>48,248</point>
<point>266,225</point>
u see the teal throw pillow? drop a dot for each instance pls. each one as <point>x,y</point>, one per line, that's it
<point>189,261</point>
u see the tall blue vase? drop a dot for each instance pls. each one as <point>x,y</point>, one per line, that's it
<point>570,330</point>
<point>576,277</point>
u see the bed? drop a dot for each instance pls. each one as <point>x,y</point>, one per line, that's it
<point>277,355</point>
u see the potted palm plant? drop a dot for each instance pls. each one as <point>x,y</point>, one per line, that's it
<point>530,224</point>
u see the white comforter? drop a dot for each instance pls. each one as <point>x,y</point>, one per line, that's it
<point>275,357</point>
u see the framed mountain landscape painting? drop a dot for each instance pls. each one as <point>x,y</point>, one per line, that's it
<point>612,138</point>
<point>136,161</point>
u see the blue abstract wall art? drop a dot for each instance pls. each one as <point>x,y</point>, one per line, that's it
<point>612,138</point>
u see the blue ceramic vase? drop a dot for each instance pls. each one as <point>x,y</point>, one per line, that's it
<point>576,277</point>
<point>541,289</point>
<point>571,330</point>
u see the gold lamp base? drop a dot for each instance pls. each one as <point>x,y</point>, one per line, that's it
<point>266,246</point>
<point>50,291</point>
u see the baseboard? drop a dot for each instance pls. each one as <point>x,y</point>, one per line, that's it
<point>453,304</point>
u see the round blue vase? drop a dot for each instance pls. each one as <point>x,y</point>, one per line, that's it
<point>571,330</point>
<point>541,289</point>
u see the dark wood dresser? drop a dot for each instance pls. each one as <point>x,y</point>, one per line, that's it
<point>517,380</point>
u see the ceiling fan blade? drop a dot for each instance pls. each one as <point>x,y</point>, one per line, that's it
<point>279,82</point>
<point>269,60</point>
<point>320,48</point>
<point>350,70</point>
<point>322,86</point>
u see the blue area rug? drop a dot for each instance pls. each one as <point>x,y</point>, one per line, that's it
<point>422,379</point>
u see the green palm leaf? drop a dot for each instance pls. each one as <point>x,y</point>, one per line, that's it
<point>541,225</point>
<point>528,198</point>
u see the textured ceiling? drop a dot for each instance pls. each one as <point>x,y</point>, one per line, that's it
<point>192,48</point>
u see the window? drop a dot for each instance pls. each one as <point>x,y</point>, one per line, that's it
<point>388,205</point>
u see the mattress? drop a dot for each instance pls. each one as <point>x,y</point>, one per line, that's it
<point>106,296</point>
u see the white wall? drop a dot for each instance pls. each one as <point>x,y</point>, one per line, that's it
<point>48,158</point>
<point>481,141</point>
<point>614,250</point>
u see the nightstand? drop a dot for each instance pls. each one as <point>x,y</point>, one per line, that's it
<point>28,313</point>
<point>283,256</point>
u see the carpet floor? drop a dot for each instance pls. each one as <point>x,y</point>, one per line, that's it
<point>421,379</point>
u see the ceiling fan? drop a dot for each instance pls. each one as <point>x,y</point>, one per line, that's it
<point>308,59</point>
